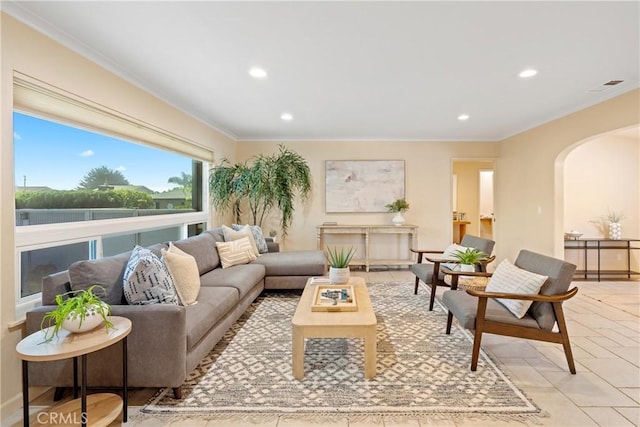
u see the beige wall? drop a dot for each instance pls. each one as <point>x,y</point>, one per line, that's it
<point>603,175</point>
<point>530,169</point>
<point>468,174</point>
<point>427,184</point>
<point>33,54</point>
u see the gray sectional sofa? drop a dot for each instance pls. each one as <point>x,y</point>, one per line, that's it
<point>168,341</point>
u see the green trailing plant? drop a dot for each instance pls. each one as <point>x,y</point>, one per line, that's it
<point>340,258</point>
<point>470,256</point>
<point>399,205</point>
<point>77,303</point>
<point>269,183</point>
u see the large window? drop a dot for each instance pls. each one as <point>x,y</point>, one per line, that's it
<point>92,182</point>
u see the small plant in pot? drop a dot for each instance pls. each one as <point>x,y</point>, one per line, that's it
<point>77,311</point>
<point>339,260</point>
<point>469,258</point>
<point>399,206</point>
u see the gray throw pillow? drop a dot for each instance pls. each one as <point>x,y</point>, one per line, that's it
<point>261,243</point>
<point>147,280</point>
<point>106,272</point>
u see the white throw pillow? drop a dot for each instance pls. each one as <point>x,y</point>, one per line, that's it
<point>235,252</point>
<point>184,270</point>
<point>231,235</point>
<point>511,279</point>
<point>261,243</point>
<point>147,280</point>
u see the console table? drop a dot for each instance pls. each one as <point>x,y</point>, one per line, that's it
<point>365,233</point>
<point>597,244</point>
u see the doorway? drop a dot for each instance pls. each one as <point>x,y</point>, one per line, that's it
<point>472,198</point>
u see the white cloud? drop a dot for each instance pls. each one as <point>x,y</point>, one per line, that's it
<point>121,168</point>
<point>87,153</point>
<point>17,136</point>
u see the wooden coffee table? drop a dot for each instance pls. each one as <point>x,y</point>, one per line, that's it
<point>350,324</point>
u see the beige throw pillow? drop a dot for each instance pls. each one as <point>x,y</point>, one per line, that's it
<point>235,252</point>
<point>231,235</point>
<point>514,280</point>
<point>184,270</point>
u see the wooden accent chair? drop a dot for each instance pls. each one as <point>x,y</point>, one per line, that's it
<point>430,273</point>
<point>480,311</point>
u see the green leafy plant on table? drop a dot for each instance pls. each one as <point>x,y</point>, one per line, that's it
<point>340,258</point>
<point>76,304</point>
<point>470,256</point>
<point>399,205</point>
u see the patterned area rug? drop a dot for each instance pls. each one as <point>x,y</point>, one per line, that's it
<point>420,369</point>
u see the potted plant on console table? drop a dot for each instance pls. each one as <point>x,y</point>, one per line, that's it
<point>339,260</point>
<point>399,206</point>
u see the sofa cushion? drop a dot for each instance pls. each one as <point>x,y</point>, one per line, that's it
<point>107,272</point>
<point>236,252</point>
<point>232,235</point>
<point>147,280</point>
<point>511,279</point>
<point>213,304</point>
<point>241,277</point>
<point>203,248</point>
<point>184,270</point>
<point>294,263</point>
<point>258,236</point>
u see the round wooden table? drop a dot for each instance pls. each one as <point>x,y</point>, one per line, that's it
<point>104,407</point>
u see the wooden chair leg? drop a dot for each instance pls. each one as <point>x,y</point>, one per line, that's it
<point>432,297</point>
<point>177,392</point>
<point>482,309</point>
<point>562,328</point>
<point>449,322</point>
<point>415,290</point>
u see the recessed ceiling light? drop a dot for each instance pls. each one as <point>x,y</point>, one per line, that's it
<point>286,117</point>
<point>258,73</point>
<point>529,72</point>
<point>463,117</point>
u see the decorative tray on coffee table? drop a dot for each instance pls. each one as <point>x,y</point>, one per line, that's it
<point>334,298</point>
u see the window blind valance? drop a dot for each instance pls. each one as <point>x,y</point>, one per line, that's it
<point>36,97</point>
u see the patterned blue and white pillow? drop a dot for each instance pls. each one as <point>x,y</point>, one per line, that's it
<point>147,280</point>
<point>261,243</point>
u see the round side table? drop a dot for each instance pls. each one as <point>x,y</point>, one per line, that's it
<point>104,407</point>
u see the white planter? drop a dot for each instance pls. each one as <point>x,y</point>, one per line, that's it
<point>74,324</point>
<point>398,219</point>
<point>615,231</point>
<point>467,267</point>
<point>338,276</point>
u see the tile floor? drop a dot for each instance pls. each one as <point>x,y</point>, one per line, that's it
<point>604,325</point>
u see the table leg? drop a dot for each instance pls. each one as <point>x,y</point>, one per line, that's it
<point>83,392</point>
<point>125,381</point>
<point>297,352</point>
<point>25,393</point>
<point>75,377</point>
<point>370,353</point>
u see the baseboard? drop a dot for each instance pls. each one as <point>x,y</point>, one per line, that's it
<point>11,410</point>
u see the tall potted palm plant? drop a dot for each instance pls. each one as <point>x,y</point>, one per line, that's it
<point>268,183</point>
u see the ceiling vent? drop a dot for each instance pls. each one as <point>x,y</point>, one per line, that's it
<point>605,86</point>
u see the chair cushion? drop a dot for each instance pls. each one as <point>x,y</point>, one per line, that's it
<point>479,243</point>
<point>511,279</point>
<point>465,308</point>
<point>184,270</point>
<point>424,272</point>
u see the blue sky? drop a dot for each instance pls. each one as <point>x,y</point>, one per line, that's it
<point>59,156</point>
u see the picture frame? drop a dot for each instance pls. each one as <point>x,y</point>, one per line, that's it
<point>363,185</point>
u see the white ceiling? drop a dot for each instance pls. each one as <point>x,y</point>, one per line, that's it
<point>358,70</point>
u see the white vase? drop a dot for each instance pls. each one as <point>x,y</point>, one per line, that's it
<point>615,231</point>
<point>73,323</point>
<point>467,268</point>
<point>338,276</point>
<point>398,219</point>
